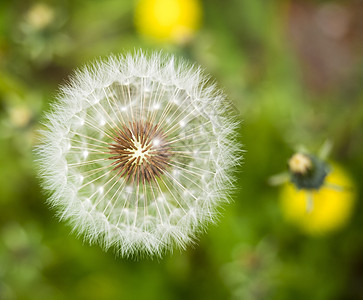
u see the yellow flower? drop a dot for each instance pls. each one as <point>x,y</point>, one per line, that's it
<point>332,203</point>
<point>168,20</point>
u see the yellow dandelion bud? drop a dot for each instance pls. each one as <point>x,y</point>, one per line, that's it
<point>168,20</point>
<point>333,203</point>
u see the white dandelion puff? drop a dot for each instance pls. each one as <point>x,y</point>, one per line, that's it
<point>138,153</point>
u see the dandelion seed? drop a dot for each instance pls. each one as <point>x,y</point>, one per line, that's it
<point>125,158</point>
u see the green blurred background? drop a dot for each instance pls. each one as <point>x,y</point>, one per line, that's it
<point>294,71</point>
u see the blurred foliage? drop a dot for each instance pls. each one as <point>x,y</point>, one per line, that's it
<point>293,70</point>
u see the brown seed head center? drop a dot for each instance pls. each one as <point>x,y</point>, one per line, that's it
<point>140,152</point>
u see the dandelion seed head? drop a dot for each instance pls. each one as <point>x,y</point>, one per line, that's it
<point>138,153</point>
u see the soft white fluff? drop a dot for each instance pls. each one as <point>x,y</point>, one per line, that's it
<point>75,168</point>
